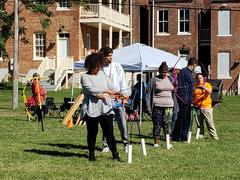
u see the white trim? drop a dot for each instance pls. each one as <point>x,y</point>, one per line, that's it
<point>229,35</point>
<point>222,77</point>
<point>183,34</point>
<point>162,34</point>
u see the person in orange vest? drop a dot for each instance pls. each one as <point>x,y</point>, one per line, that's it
<point>202,100</point>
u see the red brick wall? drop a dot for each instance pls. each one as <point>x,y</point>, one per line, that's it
<point>174,42</point>
<point>68,19</point>
<point>229,44</point>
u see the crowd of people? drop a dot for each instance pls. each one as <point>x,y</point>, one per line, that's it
<point>169,98</point>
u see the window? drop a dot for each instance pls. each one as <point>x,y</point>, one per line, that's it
<point>63,5</point>
<point>223,65</point>
<point>162,21</point>
<point>184,21</point>
<point>39,45</point>
<point>224,22</point>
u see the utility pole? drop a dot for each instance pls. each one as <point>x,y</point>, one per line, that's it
<point>15,58</point>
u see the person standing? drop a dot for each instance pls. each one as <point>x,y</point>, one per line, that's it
<point>114,72</point>
<point>202,100</point>
<point>97,105</point>
<point>38,97</point>
<point>184,98</point>
<point>160,90</point>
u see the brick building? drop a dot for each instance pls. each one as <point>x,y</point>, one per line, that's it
<point>205,29</point>
<point>74,32</point>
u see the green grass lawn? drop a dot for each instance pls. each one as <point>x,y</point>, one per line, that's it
<point>61,153</point>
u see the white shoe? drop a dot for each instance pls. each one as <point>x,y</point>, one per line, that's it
<point>106,149</point>
<point>156,145</point>
<point>200,136</point>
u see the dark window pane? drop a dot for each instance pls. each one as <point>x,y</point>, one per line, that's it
<point>181,26</point>
<point>161,27</point>
<point>166,27</point>
<point>160,15</point>
<point>186,26</point>
<point>181,14</point>
<point>166,15</point>
<point>186,14</point>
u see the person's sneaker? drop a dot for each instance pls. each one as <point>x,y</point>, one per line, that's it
<point>156,145</point>
<point>106,149</point>
<point>200,136</point>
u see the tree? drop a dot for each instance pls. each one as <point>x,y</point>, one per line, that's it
<point>8,20</point>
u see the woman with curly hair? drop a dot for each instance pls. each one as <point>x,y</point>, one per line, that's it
<point>97,105</point>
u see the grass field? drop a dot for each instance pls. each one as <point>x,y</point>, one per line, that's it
<point>61,153</point>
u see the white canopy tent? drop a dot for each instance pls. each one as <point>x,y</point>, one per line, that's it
<point>140,57</point>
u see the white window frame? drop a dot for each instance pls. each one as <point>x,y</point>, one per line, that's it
<point>225,66</point>
<point>225,25</point>
<point>185,21</point>
<point>162,21</point>
<point>63,8</point>
<point>35,57</point>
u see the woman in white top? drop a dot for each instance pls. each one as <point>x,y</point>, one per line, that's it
<point>97,105</point>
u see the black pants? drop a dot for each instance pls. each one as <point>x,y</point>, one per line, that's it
<point>182,124</point>
<point>106,123</point>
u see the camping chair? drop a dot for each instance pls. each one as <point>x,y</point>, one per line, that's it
<point>52,109</point>
<point>217,94</point>
<point>68,102</point>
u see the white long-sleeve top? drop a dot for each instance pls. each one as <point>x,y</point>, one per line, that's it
<point>115,73</point>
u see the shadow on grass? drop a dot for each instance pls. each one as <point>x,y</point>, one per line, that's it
<point>70,146</point>
<point>2,107</point>
<point>55,153</point>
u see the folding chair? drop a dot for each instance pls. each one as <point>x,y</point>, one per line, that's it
<point>68,102</point>
<point>52,108</point>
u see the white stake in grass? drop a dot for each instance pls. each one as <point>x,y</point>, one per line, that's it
<point>144,152</point>
<point>129,154</point>
<point>189,137</point>
<point>168,141</point>
<point>198,132</point>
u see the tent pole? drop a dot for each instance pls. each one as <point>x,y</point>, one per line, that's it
<point>141,93</point>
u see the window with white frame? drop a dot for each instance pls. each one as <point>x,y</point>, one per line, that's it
<point>63,4</point>
<point>224,22</point>
<point>184,21</point>
<point>223,65</point>
<point>39,45</point>
<point>162,21</point>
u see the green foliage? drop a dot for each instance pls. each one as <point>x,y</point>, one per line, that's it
<point>61,153</point>
<point>45,23</point>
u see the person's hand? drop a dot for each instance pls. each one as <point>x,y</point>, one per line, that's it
<point>103,96</point>
<point>108,91</point>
